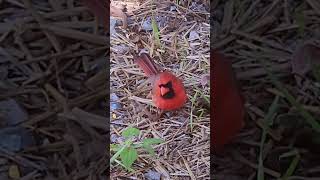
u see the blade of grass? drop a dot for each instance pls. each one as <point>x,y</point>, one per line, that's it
<point>292,165</point>
<point>193,100</point>
<point>119,162</point>
<point>155,31</point>
<point>305,114</point>
<point>117,154</point>
<point>269,119</point>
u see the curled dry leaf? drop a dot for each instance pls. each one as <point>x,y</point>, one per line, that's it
<point>118,13</point>
<point>304,58</point>
<point>205,79</point>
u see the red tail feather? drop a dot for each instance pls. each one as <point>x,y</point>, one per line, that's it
<point>146,64</point>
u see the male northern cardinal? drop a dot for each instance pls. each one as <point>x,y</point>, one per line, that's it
<point>168,92</point>
<point>228,105</point>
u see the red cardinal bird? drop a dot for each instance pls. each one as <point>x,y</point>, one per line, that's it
<point>228,105</point>
<point>168,92</point>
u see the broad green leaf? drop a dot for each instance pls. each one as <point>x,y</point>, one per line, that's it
<point>114,147</point>
<point>146,144</point>
<point>128,156</point>
<point>151,141</point>
<point>120,163</point>
<point>127,143</point>
<point>130,132</point>
<point>149,149</point>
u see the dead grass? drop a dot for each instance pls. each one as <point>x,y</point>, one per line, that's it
<point>254,33</point>
<point>185,152</point>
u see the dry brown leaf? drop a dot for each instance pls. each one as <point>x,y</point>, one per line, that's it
<point>205,79</point>
<point>118,13</point>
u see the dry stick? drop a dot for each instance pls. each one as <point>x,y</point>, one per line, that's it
<point>227,18</point>
<point>70,6</point>
<point>18,40</point>
<point>286,11</point>
<point>56,4</point>
<point>74,34</point>
<point>260,39</point>
<point>76,149</point>
<point>268,11</point>
<point>79,101</point>
<point>246,14</point>
<point>30,175</point>
<point>83,124</point>
<point>55,145</point>
<point>92,119</point>
<point>57,14</point>
<point>59,97</point>
<point>15,62</point>
<point>188,167</point>
<point>223,42</point>
<point>242,159</point>
<point>76,24</point>
<point>315,5</point>
<point>65,54</point>
<point>5,34</point>
<point>17,92</point>
<point>54,41</point>
<point>76,102</point>
<point>97,79</point>
<point>261,23</point>
<point>261,71</point>
<point>19,159</point>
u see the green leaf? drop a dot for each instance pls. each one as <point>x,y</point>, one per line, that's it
<point>304,113</point>
<point>149,149</point>
<point>128,156</point>
<point>151,141</point>
<point>127,143</point>
<point>269,119</point>
<point>114,147</point>
<point>146,144</point>
<point>155,31</point>
<point>120,163</point>
<point>130,132</point>
<point>293,165</point>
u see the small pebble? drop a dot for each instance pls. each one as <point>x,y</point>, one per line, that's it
<point>152,175</point>
<point>114,138</point>
<point>193,35</point>
<point>113,23</point>
<point>147,24</point>
<point>120,49</point>
<point>114,105</point>
<point>173,8</point>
